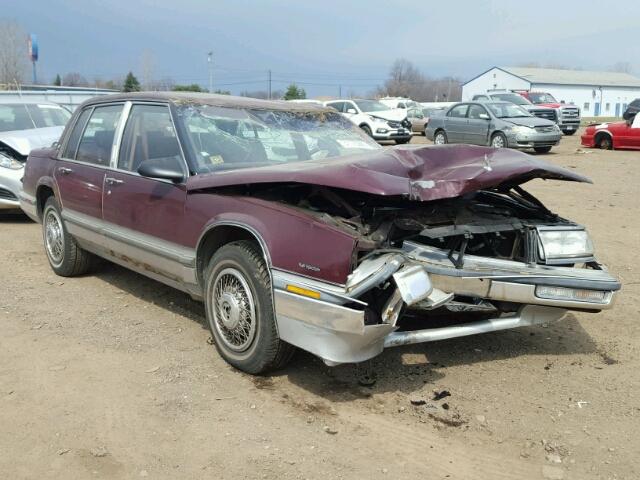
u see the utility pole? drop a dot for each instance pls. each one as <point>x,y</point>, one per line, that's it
<point>269,89</point>
<point>210,62</point>
<point>339,91</point>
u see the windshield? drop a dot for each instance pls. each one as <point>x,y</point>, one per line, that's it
<point>507,110</point>
<point>229,138</point>
<point>371,106</point>
<point>542,98</point>
<point>21,116</point>
<point>511,97</point>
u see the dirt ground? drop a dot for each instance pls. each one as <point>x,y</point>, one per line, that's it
<point>111,376</point>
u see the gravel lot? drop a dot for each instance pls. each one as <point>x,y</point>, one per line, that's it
<point>110,376</point>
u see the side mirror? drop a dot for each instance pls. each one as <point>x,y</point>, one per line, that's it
<point>483,116</point>
<point>351,110</point>
<point>159,170</point>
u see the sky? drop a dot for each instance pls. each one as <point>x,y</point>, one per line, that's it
<point>327,46</point>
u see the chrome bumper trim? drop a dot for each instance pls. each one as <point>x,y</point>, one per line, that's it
<point>526,317</point>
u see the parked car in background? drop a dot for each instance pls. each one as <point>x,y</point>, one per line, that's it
<point>498,124</point>
<point>399,102</point>
<point>419,118</point>
<point>24,125</point>
<point>567,115</point>
<point>297,230</point>
<point>616,135</point>
<point>542,112</point>
<point>376,119</point>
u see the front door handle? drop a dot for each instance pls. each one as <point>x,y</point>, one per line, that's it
<point>65,170</point>
<point>113,181</point>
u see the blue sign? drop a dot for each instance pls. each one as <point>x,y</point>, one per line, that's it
<point>33,47</point>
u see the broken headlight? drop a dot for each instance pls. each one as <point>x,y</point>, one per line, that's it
<point>564,244</point>
<point>8,162</point>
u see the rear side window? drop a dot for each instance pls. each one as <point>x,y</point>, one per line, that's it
<point>97,138</point>
<point>76,133</point>
<point>149,136</point>
<point>458,111</point>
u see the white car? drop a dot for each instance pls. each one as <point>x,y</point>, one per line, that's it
<point>399,102</point>
<point>376,119</point>
<point>24,125</point>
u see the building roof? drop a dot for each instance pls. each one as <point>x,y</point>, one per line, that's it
<point>574,77</point>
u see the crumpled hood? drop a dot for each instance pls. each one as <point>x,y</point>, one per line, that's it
<point>23,141</point>
<point>421,173</point>
<point>397,114</point>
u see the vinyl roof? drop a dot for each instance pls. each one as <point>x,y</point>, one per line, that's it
<point>574,77</point>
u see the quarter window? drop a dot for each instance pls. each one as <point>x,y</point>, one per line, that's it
<point>459,111</point>
<point>149,136</point>
<point>76,133</point>
<point>97,138</point>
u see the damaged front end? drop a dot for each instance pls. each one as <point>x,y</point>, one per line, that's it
<point>485,261</point>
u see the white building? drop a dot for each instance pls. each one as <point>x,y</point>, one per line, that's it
<point>604,94</point>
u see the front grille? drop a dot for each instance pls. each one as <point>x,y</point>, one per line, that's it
<point>406,123</point>
<point>545,129</point>
<point>394,124</point>
<point>546,114</point>
<point>570,113</point>
<point>7,195</point>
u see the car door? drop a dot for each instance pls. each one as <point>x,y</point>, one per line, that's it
<point>456,123</point>
<point>477,130</point>
<point>144,216</point>
<point>82,163</point>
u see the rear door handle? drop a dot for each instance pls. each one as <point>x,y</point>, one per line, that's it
<point>113,181</point>
<point>65,170</point>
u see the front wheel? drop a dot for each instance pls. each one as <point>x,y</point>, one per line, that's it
<point>66,258</point>
<point>542,149</point>
<point>499,140</point>
<point>400,141</point>
<point>239,308</point>
<point>604,142</point>
<point>568,132</point>
<point>367,130</point>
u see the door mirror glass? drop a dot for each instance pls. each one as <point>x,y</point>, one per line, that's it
<point>483,116</point>
<point>351,110</point>
<point>161,169</point>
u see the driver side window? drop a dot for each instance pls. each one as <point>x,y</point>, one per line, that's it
<point>475,111</point>
<point>149,135</point>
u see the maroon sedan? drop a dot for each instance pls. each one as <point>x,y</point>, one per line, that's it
<point>297,230</point>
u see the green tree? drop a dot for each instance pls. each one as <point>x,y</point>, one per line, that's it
<point>131,83</point>
<point>294,92</point>
<point>194,87</point>
<point>58,80</point>
<point>222,92</point>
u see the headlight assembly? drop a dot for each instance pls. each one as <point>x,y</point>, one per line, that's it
<point>557,244</point>
<point>522,129</point>
<point>8,162</point>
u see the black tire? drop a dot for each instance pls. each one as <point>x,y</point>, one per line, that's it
<point>367,130</point>
<point>262,350</point>
<point>495,137</point>
<point>443,134</point>
<point>67,259</point>
<point>542,149</point>
<point>568,132</point>
<point>400,141</point>
<point>604,142</point>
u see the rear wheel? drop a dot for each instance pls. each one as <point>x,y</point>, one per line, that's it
<point>239,307</point>
<point>66,258</point>
<point>440,138</point>
<point>542,149</point>
<point>498,140</point>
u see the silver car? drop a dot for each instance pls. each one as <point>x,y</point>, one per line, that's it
<point>498,124</point>
<point>24,125</point>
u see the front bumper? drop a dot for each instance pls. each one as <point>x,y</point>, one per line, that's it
<point>386,133</point>
<point>533,140</point>
<point>335,325</point>
<point>10,188</point>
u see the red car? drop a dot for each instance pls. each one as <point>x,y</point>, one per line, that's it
<point>616,135</point>
<point>298,230</point>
